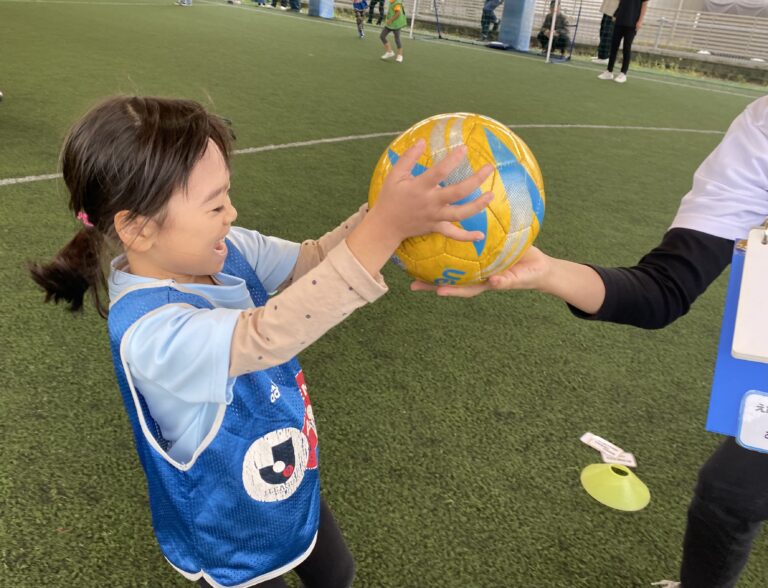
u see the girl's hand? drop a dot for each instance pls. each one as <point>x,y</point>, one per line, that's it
<point>529,273</point>
<point>412,206</point>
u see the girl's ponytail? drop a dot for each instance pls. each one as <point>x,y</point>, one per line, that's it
<point>75,270</point>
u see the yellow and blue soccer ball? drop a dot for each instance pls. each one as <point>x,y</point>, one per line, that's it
<point>510,223</point>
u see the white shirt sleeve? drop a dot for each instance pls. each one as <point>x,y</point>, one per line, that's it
<point>271,257</point>
<point>730,189</point>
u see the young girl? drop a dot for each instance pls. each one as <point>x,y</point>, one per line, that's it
<point>395,21</point>
<point>204,357</point>
<point>728,198</point>
<point>359,8</point>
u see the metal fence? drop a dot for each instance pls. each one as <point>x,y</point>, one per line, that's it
<point>704,35</point>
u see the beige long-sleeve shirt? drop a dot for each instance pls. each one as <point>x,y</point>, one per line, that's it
<point>327,284</point>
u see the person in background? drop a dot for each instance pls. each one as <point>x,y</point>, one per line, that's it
<point>381,11</point>
<point>628,20</point>
<point>608,7</point>
<point>489,22</point>
<point>395,22</point>
<point>359,8</point>
<point>561,38</point>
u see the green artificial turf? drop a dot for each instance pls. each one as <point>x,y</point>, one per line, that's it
<point>449,428</point>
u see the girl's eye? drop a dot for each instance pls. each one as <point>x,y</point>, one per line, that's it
<point>218,209</point>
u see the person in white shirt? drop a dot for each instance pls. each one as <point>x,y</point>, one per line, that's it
<point>728,198</point>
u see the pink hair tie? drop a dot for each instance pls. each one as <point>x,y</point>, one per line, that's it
<point>83,217</point>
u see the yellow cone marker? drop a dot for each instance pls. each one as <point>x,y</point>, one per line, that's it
<point>615,486</point>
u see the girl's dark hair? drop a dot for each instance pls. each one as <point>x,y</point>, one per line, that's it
<point>128,153</point>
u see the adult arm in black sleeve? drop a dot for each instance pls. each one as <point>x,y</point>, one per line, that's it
<point>665,282</point>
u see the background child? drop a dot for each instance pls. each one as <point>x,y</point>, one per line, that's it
<point>359,8</point>
<point>727,200</point>
<point>204,358</point>
<point>395,21</point>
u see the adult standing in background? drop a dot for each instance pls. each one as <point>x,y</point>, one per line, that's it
<point>381,11</point>
<point>608,8</point>
<point>629,18</point>
<point>489,18</point>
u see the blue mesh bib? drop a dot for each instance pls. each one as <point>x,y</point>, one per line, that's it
<point>246,506</point>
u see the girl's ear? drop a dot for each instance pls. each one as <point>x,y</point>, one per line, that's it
<point>138,233</point>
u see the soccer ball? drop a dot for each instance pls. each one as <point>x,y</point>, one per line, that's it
<point>510,223</point>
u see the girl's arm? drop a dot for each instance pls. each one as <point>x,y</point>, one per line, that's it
<point>396,10</point>
<point>349,277</point>
<point>297,317</point>
<point>312,252</point>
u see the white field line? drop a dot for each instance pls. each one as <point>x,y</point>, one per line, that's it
<point>310,143</point>
<point>27,179</point>
<point>298,144</point>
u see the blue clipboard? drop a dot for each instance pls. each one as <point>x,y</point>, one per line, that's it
<point>733,377</point>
